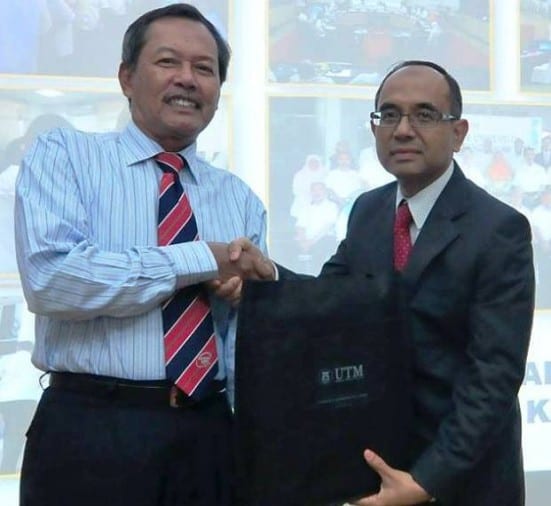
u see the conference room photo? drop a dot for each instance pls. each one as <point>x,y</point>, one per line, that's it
<point>535,46</point>
<point>351,43</point>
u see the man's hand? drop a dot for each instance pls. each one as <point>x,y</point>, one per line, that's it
<point>264,267</point>
<point>238,261</point>
<point>398,488</point>
<point>229,290</point>
<point>243,259</point>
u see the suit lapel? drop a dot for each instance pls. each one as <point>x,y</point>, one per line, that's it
<point>378,248</point>
<point>440,228</point>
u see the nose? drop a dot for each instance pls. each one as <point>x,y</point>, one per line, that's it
<point>404,128</point>
<point>185,76</point>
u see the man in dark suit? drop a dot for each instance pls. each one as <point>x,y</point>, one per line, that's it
<point>469,289</point>
<point>468,294</point>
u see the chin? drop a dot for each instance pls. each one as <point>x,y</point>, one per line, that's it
<point>405,170</point>
<point>184,131</point>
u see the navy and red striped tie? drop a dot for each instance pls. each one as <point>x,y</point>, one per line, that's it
<point>190,346</point>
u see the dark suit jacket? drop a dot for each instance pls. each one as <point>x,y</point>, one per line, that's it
<point>469,291</point>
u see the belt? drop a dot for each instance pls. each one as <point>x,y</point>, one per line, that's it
<point>144,393</point>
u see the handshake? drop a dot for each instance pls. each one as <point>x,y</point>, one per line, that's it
<point>238,261</point>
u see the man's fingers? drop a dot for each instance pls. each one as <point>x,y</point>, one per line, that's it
<point>377,464</point>
<point>371,500</point>
<point>228,288</point>
<point>382,469</point>
<point>237,246</point>
<point>265,268</point>
<point>397,487</point>
<point>243,259</point>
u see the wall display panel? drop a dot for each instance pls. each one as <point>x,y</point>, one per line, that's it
<point>20,386</point>
<point>311,138</point>
<point>85,110</point>
<point>355,42</point>
<point>535,403</point>
<point>534,397</point>
<point>508,152</point>
<point>535,46</point>
<point>14,319</point>
<point>76,38</point>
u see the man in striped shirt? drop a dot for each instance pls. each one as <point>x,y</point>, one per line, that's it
<point>109,430</point>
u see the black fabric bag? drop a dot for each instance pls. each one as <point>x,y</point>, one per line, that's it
<point>322,372</point>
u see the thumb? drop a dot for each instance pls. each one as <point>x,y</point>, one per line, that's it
<point>214,284</point>
<point>377,463</point>
<point>237,246</point>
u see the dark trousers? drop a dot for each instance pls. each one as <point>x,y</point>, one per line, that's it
<point>95,451</point>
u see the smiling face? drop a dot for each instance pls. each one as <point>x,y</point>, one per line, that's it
<point>417,156</point>
<point>175,86</point>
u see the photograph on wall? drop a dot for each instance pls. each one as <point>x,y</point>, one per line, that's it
<point>508,152</point>
<point>354,42</point>
<point>19,379</point>
<point>314,182</point>
<point>81,39</point>
<point>535,46</point>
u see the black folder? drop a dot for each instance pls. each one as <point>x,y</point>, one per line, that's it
<point>322,372</point>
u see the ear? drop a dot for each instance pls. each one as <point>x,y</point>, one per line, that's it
<point>460,129</point>
<point>125,80</point>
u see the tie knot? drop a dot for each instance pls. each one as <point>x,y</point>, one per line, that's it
<point>170,162</point>
<point>403,214</point>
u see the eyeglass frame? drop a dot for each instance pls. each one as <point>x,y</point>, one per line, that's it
<point>443,117</point>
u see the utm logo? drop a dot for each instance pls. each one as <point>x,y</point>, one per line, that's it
<point>343,374</point>
<point>204,360</point>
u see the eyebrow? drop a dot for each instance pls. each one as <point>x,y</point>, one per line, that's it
<point>421,105</point>
<point>167,49</point>
<point>162,49</point>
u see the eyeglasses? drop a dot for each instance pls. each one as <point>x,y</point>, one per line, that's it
<point>422,118</point>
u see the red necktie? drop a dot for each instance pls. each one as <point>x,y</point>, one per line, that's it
<point>402,237</point>
<point>190,346</point>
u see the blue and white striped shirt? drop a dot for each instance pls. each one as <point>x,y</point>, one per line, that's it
<point>86,239</point>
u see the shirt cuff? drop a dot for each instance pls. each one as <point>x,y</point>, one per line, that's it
<point>193,262</point>
<point>276,270</point>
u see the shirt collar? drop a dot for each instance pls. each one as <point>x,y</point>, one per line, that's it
<point>422,202</point>
<point>139,147</point>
